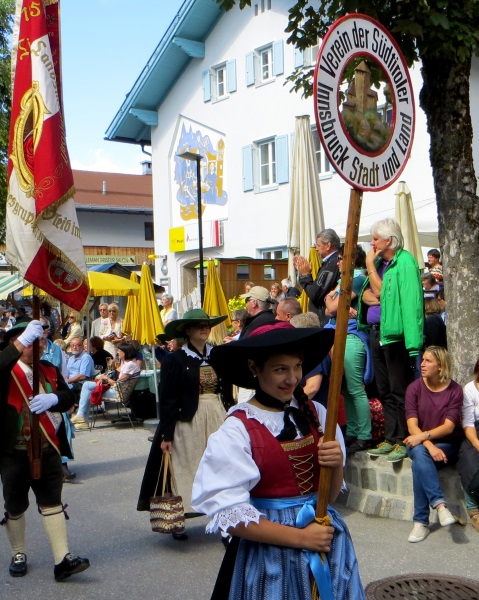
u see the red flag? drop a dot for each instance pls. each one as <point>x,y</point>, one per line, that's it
<point>43,236</point>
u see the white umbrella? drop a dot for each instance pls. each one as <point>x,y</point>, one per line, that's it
<point>407,221</point>
<point>306,218</point>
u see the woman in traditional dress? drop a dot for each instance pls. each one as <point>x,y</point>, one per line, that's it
<point>192,406</point>
<point>259,477</point>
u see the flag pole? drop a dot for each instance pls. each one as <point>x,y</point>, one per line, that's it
<point>342,319</point>
<point>36,460</point>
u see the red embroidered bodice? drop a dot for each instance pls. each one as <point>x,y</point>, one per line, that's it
<point>287,468</point>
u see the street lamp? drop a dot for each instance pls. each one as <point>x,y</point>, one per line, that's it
<point>197,158</point>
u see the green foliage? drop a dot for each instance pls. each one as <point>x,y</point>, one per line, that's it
<point>6,22</point>
<point>440,29</point>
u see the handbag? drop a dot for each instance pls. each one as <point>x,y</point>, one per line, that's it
<point>167,514</point>
<point>97,393</point>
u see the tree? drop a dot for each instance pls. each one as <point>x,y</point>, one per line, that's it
<point>6,21</point>
<point>444,36</point>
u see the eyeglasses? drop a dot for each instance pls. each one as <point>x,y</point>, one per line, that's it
<point>340,258</point>
<point>110,310</point>
<point>71,317</point>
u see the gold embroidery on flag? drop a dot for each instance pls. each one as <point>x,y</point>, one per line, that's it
<point>28,128</point>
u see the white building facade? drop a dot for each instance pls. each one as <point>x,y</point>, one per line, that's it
<point>216,86</point>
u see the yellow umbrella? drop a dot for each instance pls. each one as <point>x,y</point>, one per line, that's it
<point>131,311</point>
<point>314,260</point>
<point>104,284</point>
<point>215,303</point>
<point>148,323</point>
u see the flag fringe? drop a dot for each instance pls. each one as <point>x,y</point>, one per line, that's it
<point>66,196</point>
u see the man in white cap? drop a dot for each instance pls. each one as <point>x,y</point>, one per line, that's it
<point>258,306</point>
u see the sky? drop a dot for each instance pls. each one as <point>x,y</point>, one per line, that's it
<point>105,45</point>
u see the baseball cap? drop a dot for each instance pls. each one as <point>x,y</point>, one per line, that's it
<point>258,293</point>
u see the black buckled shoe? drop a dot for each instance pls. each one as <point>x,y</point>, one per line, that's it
<point>70,565</point>
<point>359,446</point>
<point>18,565</point>
<point>180,537</point>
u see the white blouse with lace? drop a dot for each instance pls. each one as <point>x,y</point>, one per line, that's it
<point>227,471</point>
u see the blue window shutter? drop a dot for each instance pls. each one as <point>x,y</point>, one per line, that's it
<point>206,86</point>
<point>231,76</point>
<point>298,58</point>
<point>278,59</point>
<point>250,68</point>
<point>248,182</point>
<point>282,159</point>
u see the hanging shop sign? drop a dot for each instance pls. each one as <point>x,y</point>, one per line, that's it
<point>366,131</point>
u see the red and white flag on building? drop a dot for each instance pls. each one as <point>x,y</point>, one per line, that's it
<point>43,238</point>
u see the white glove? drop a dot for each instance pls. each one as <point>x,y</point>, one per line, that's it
<point>43,402</point>
<point>34,331</point>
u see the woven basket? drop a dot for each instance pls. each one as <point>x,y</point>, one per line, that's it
<point>167,514</point>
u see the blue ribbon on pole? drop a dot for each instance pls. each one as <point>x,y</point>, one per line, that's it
<point>319,568</point>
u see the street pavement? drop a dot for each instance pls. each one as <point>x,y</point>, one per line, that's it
<point>129,561</point>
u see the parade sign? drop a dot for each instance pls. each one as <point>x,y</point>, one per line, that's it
<point>367,139</point>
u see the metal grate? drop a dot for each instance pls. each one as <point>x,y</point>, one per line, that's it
<point>423,586</point>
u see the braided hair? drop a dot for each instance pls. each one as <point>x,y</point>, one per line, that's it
<point>305,407</point>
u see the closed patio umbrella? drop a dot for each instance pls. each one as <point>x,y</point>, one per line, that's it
<point>306,218</point>
<point>148,323</point>
<point>314,260</point>
<point>131,311</point>
<point>215,303</point>
<point>407,221</point>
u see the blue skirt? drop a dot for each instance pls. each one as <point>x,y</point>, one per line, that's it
<point>264,571</point>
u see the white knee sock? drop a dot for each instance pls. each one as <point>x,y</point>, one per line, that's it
<point>15,527</point>
<point>56,530</point>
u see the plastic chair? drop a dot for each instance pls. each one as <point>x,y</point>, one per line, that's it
<point>123,391</point>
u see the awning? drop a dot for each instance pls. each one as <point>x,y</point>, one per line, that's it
<point>101,268</point>
<point>9,284</point>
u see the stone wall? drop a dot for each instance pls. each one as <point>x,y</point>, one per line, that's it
<point>382,489</point>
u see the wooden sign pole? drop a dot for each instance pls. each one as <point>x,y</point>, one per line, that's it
<point>342,318</point>
<point>36,465</point>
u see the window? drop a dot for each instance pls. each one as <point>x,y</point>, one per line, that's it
<point>324,166</point>
<point>266,164</point>
<point>269,272</point>
<point>274,253</point>
<point>262,6</point>
<point>219,81</point>
<point>306,58</point>
<point>242,272</point>
<point>264,64</point>
<point>219,75</point>
<point>149,232</point>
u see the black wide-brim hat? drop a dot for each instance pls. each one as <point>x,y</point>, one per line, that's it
<point>230,361</point>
